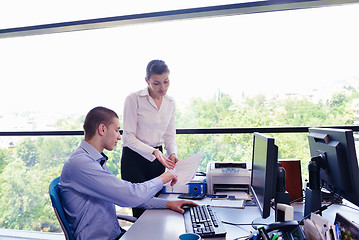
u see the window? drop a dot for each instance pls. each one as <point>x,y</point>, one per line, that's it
<point>309,53</point>
<point>286,68</point>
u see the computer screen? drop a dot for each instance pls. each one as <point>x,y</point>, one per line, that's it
<point>334,152</point>
<point>264,172</point>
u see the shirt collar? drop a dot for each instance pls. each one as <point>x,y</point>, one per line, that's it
<point>92,152</point>
<point>145,93</point>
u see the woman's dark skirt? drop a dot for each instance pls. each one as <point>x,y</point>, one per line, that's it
<point>137,169</point>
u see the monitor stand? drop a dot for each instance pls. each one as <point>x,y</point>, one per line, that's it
<point>264,221</point>
<point>313,193</point>
<point>297,216</point>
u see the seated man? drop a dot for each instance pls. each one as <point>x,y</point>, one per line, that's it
<point>90,192</point>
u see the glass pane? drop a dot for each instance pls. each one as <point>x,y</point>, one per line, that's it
<point>294,67</point>
<point>27,169</point>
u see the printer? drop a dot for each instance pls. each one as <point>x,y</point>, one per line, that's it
<point>228,176</point>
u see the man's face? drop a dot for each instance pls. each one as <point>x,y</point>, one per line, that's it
<point>112,135</point>
<point>158,84</point>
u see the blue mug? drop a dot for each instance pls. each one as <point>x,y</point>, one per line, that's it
<point>189,236</point>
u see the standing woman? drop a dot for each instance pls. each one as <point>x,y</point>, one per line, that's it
<point>148,124</point>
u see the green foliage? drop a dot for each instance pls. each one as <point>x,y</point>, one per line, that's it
<point>70,123</point>
<point>204,113</point>
<point>114,159</point>
<point>257,111</point>
<point>26,171</point>
<point>24,198</point>
<point>55,151</point>
<point>4,156</point>
<point>24,182</point>
<point>338,103</point>
<point>28,152</point>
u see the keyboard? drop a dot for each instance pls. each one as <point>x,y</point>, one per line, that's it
<point>203,220</point>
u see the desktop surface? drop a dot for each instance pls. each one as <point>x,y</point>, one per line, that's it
<point>165,224</point>
<point>159,224</point>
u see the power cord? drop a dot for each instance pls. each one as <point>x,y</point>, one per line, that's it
<point>239,225</point>
<point>338,199</point>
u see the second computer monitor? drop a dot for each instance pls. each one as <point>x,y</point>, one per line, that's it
<point>333,150</point>
<point>264,172</point>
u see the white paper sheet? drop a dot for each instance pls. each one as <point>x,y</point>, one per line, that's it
<point>227,203</point>
<point>186,169</point>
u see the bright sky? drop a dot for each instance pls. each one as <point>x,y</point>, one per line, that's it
<point>290,51</point>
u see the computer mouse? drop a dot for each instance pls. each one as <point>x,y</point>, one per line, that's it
<point>185,207</point>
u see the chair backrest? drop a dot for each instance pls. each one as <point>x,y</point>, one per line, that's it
<point>56,201</point>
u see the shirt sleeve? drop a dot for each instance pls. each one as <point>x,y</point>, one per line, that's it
<point>130,121</point>
<point>88,177</point>
<point>154,203</point>
<point>170,135</point>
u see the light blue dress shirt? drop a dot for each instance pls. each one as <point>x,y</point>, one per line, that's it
<point>90,192</point>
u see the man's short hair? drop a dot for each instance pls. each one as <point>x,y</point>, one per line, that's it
<point>95,117</point>
<point>156,67</point>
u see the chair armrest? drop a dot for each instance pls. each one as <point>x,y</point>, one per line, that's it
<point>126,218</point>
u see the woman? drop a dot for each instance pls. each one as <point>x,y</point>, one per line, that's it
<point>149,123</point>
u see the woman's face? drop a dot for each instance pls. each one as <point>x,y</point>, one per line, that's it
<point>158,84</point>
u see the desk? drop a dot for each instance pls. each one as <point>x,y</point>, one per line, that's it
<point>164,224</point>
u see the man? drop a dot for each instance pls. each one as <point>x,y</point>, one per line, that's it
<point>90,192</point>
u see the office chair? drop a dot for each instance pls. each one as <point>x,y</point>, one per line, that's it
<point>56,201</point>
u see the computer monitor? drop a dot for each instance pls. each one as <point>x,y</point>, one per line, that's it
<point>333,166</point>
<point>264,172</point>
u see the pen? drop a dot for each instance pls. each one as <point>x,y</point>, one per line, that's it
<point>275,236</point>
<point>263,233</point>
<point>338,232</point>
<point>331,233</point>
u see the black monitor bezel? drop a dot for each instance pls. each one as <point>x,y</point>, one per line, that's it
<point>264,201</point>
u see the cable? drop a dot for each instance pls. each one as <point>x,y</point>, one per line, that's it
<point>244,237</point>
<point>296,200</point>
<point>254,225</point>
<point>338,198</point>
<point>239,225</point>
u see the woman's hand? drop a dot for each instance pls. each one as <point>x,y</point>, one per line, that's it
<point>174,158</point>
<point>168,163</point>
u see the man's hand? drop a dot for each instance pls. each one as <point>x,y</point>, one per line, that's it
<point>167,177</point>
<point>178,204</point>
<point>168,163</point>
